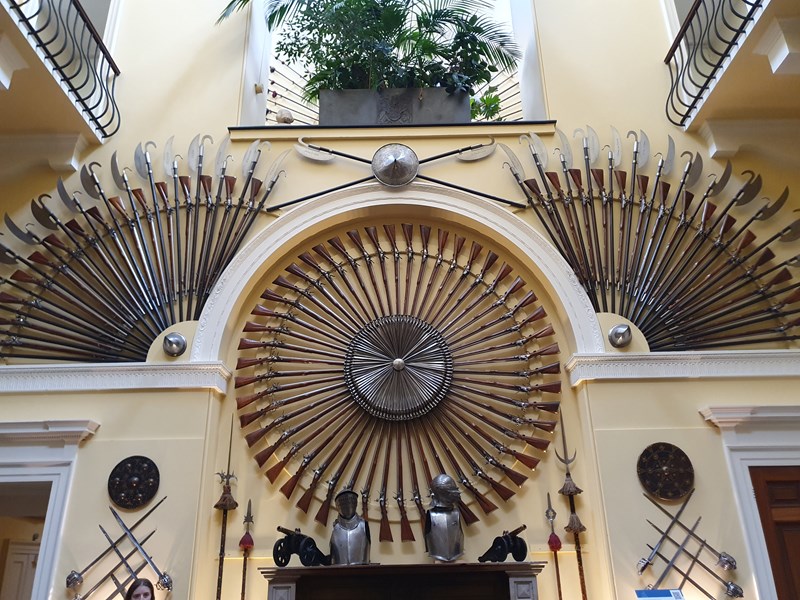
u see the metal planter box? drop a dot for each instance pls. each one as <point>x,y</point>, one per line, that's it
<point>396,106</point>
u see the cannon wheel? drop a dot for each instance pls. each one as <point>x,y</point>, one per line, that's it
<point>308,552</point>
<point>281,553</point>
<point>519,549</point>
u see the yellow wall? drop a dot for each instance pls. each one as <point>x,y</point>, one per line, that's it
<point>181,76</point>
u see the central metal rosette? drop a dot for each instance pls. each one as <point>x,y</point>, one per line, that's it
<point>398,368</point>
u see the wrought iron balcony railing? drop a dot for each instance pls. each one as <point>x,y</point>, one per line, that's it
<point>706,40</point>
<point>62,31</point>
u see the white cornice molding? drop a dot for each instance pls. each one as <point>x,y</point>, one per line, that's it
<point>725,137</point>
<point>211,375</point>
<point>682,365</point>
<point>47,432</point>
<point>10,61</point>
<point>730,417</point>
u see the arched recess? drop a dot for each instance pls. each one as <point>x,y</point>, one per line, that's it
<point>574,311</point>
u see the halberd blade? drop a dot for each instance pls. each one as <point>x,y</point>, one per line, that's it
<point>565,148</point>
<point>644,150</point>
<point>68,200</point>
<point>250,156</point>
<point>169,157</point>
<point>792,232</point>
<point>695,171</point>
<point>116,172</point>
<point>537,147</point>
<point>769,210</point>
<point>88,182</point>
<point>669,159</point>
<point>140,159</point>
<point>222,156</point>
<point>482,151</point>
<point>41,214</point>
<point>516,165</point>
<point>751,189</point>
<point>22,234</point>
<point>303,149</point>
<point>616,147</point>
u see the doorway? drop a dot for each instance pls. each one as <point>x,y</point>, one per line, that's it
<point>777,493</point>
<point>23,509</point>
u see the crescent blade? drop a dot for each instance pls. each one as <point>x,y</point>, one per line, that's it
<point>140,161</point>
<point>769,210</point>
<point>116,172</point>
<point>644,149</point>
<point>566,149</point>
<point>478,153</point>
<point>669,159</point>
<point>68,200</point>
<point>513,160</point>
<point>42,214</point>
<point>695,171</point>
<point>169,157</point>
<point>194,153</point>
<point>616,147</point>
<point>537,147</point>
<point>250,155</point>
<point>22,234</point>
<point>88,183</point>
<point>222,155</point>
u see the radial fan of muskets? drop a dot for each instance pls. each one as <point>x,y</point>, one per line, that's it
<point>677,258</point>
<point>389,354</point>
<point>126,263</point>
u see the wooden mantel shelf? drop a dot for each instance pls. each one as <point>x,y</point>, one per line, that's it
<point>511,580</point>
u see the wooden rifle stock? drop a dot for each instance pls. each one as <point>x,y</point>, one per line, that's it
<point>386,530</point>
<point>406,535</point>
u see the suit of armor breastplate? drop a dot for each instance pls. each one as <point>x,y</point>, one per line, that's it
<point>350,541</point>
<point>444,538</point>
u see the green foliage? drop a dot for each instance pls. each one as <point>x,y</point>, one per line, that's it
<point>350,44</point>
<point>487,107</point>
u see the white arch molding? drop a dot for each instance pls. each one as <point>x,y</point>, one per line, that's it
<point>551,270</point>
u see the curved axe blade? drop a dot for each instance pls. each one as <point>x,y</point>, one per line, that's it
<point>23,234</point>
<point>750,189</point>
<point>770,209</point>
<point>88,181</point>
<point>792,232</point>
<point>303,149</point>
<point>116,173</point>
<point>478,152</point>
<point>720,183</point>
<point>669,158</point>
<point>565,148</point>
<point>169,157</point>
<point>537,147</point>
<point>513,161</point>
<point>616,147</point>
<point>644,150</point>
<point>68,200</point>
<point>42,214</point>
<point>141,161</point>
<point>222,156</point>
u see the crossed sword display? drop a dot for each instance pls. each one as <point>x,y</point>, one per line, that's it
<point>724,560</point>
<point>164,581</point>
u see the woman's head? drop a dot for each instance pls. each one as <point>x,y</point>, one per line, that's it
<point>141,589</point>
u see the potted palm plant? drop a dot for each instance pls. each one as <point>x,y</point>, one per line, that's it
<point>390,61</point>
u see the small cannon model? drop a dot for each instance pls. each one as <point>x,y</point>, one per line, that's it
<point>508,543</point>
<point>297,543</point>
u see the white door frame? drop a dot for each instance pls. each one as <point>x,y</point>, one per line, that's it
<point>44,451</point>
<point>756,436</point>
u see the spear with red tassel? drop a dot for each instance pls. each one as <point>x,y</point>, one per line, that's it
<point>246,544</point>
<point>554,542</point>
